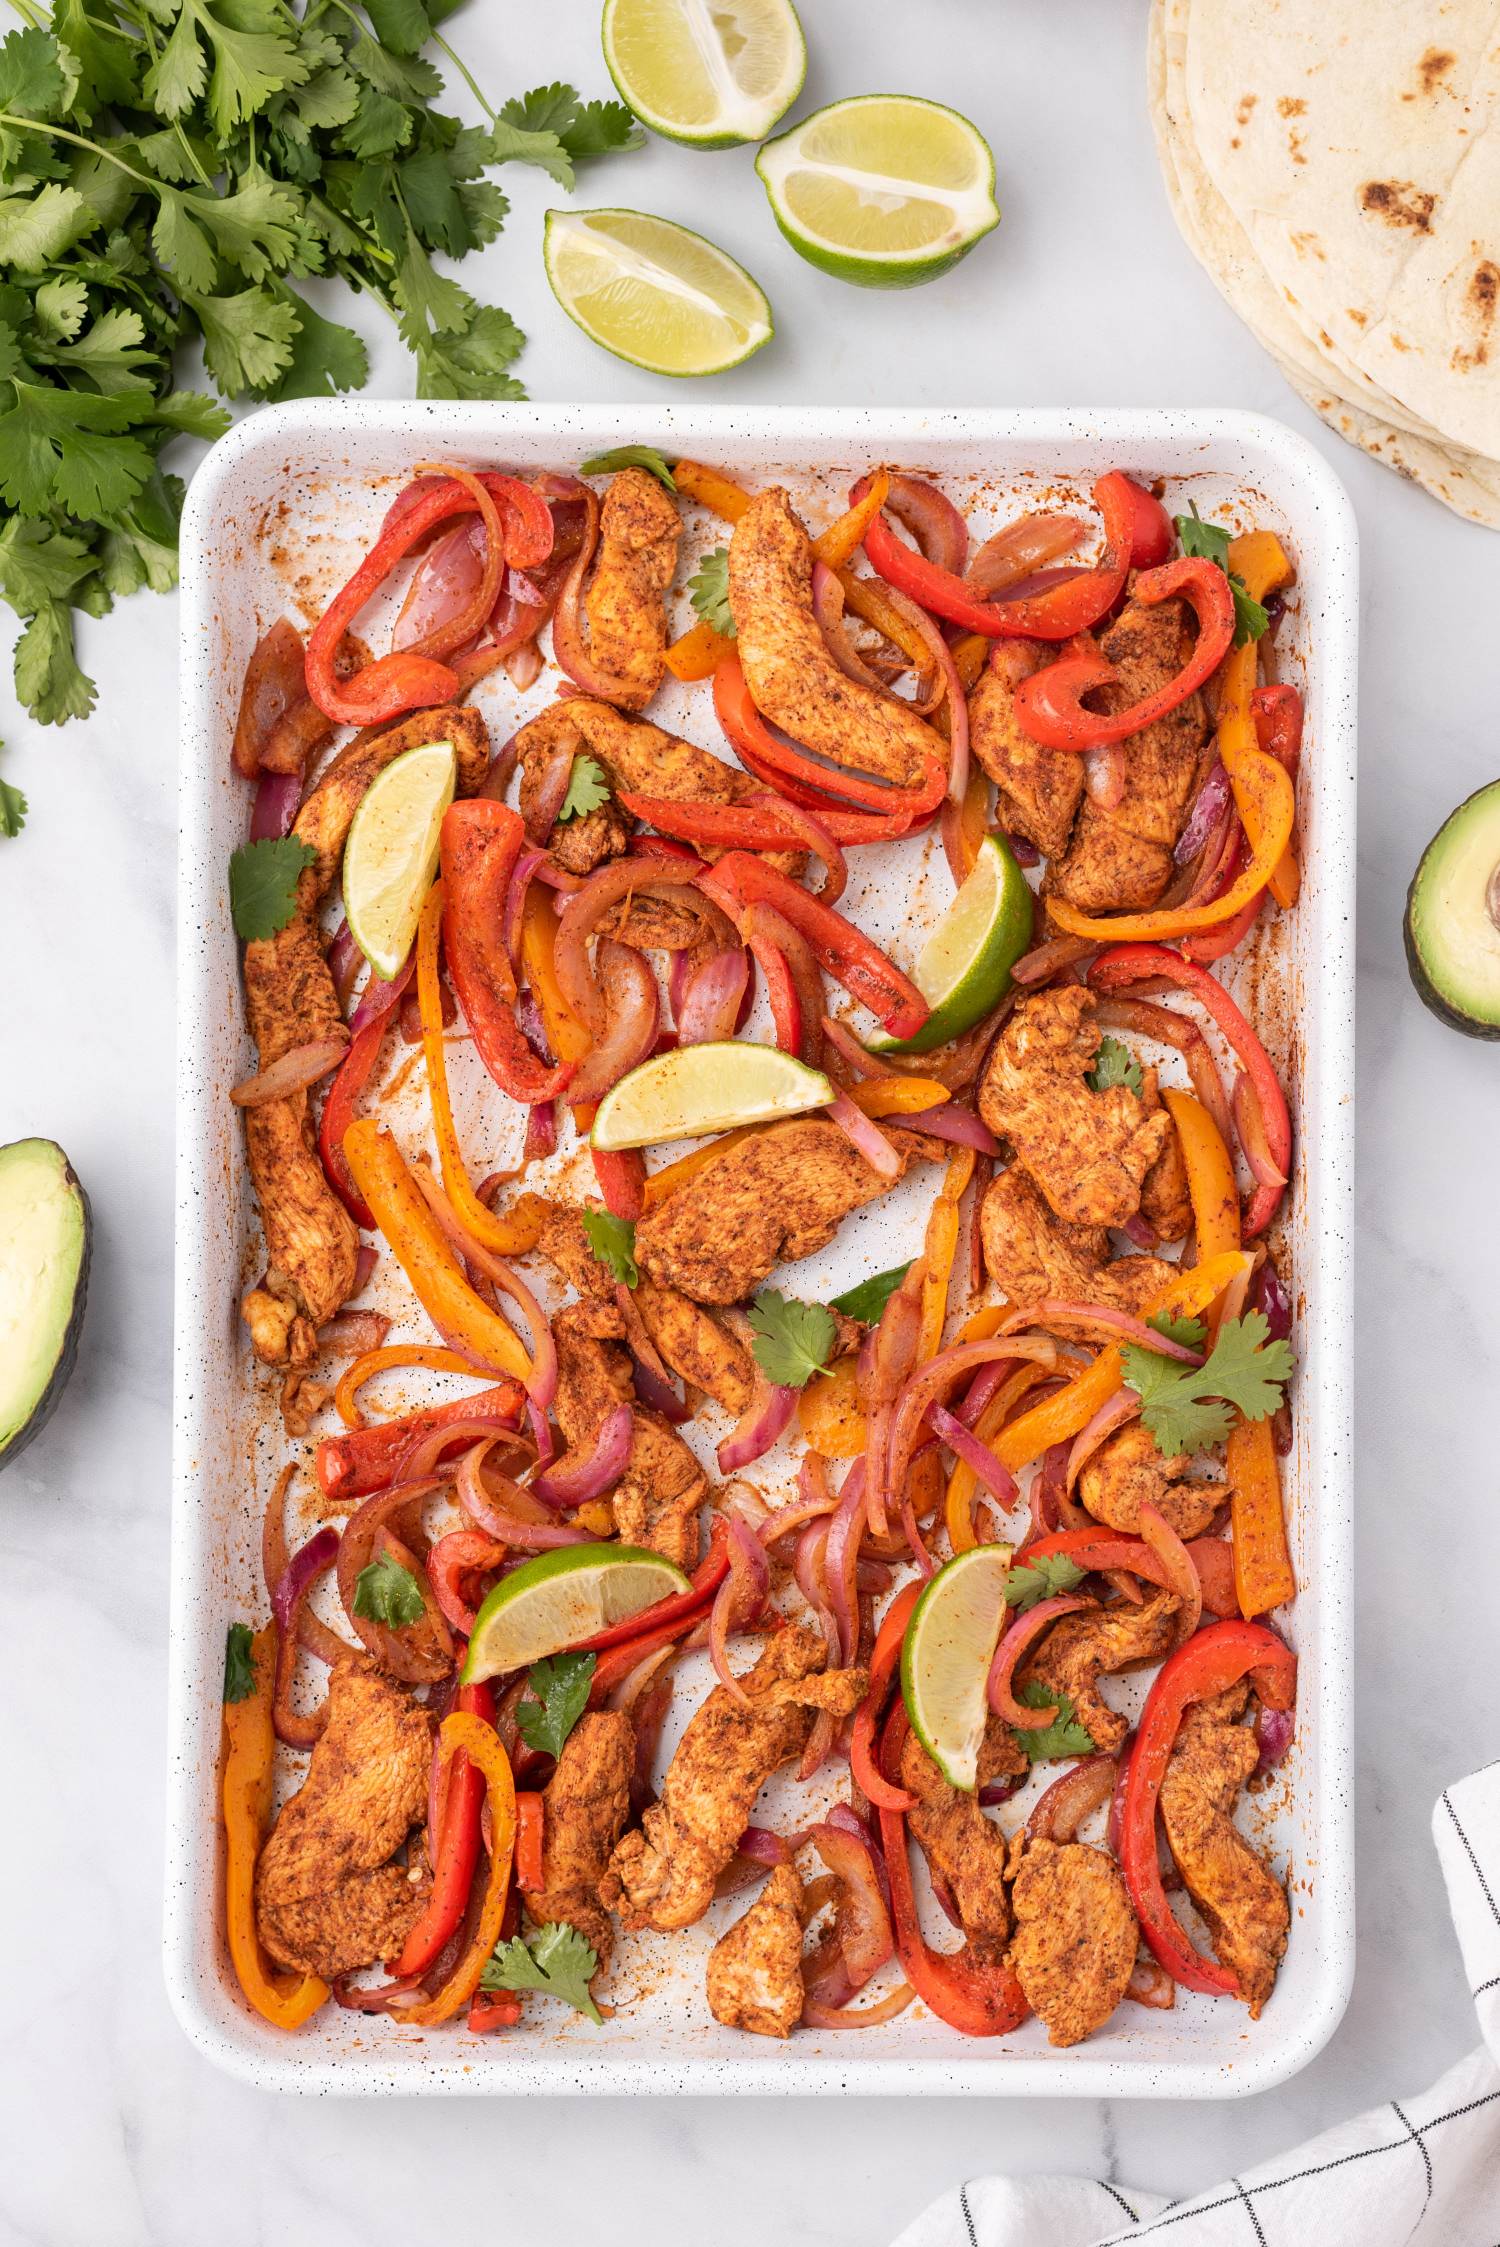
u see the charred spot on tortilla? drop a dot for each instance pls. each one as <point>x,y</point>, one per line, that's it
<point>1398,202</point>
<point>1433,69</point>
<point>1480,303</point>
<point>1289,106</point>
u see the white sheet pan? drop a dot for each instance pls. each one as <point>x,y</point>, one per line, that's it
<point>277,514</point>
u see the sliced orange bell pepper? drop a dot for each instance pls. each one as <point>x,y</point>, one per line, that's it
<point>530,1831</point>
<point>841,541</point>
<point>939,1251</point>
<point>1210,1174</point>
<point>1263,1574</point>
<point>365,1368</point>
<point>898,1096</point>
<point>403,1217</point>
<point>829,1411</point>
<point>482,1745</point>
<point>1261,563</point>
<point>958,1504</point>
<point>569,1038</point>
<point>249,1755</point>
<point>710,489</point>
<point>698,653</point>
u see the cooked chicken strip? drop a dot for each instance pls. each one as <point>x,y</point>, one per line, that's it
<point>311,1241</point>
<point>664,1875</point>
<point>1082,1648</point>
<point>1076,1936</point>
<point>1032,1255</point>
<point>690,1341</point>
<point>1087,1150</point>
<point>778,1195</point>
<point>964,1848</point>
<point>327,1897</point>
<point>656,1499</point>
<point>584,1810</point>
<point>1039,789</point>
<point>1243,1904</point>
<point>1121,858</point>
<point>1165,1202</point>
<point>1128,1472</point>
<point>755,1971</point>
<point>639,532</point>
<point>793,680</point>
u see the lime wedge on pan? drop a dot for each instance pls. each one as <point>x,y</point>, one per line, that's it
<point>559,1598</point>
<point>710,75</point>
<point>963,971</point>
<point>946,1655</point>
<point>700,1089</point>
<point>392,852</point>
<point>886,190</point>
<point>654,293</point>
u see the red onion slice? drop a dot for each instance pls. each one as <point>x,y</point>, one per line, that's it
<point>763,1423</point>
<point>1210,806</point>
<point>1085,1788</point>
<point>866,1137</point>
<point>632,1015</point>
<point>711,998</point>
<point>1272,1301</point>
<point>1274,1729</point>
<point>445,583</point>
<point>1129,1328</point>
<point>1013,1645</point>
<point>276,799</point>
<point>958,1125</point>
<point>576,1478</point>
<point>1021,547</point>
<point>992,1473</point>
<point>379,997</point>
<point>293,1072</point>
<point>828,608</point>
<point>934,522</point>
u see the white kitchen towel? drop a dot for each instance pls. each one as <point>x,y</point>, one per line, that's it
<point>1424,2169</point>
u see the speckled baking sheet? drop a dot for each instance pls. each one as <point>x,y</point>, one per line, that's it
<point>276,516</point>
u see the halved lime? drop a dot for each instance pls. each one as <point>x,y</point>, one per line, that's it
<point>559,1598</point>
<point>886,189</point>
<point>712,73</point>
<point>654,293</point>
<point>946,1655</point>
<point>699,1089</point>
<point>963,971</point>
<point>392,852</point>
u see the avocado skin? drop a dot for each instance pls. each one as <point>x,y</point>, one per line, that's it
<point>1429,992</point>
<point>67,1357</point>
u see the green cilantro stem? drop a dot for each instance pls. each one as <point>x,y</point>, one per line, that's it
<point>467,76</point>
<point>79,140</point>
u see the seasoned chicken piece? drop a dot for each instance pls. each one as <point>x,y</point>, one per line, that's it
<point>778,1195</point>
<point>663,1876</point>
<point>1122,858</point>
<point>792,678</point>
<point>656,1499</point>
<point>1128,1472</point>
<point>964,1848</point>
<point>584,1811</point>
<point>568,1248</point>
<point>1032,1255</point>
<point>1242,1903</point>
<point>1165,1202</point>
<point>755,1971</point>
<point>639,531</point>
<point>1039,789</point>
<point>692,1344</point>
<point>1087,1150</point>
<point>1082,1648</point>
<point>1076,1936</point>
<point>311,1241</point>
<point>327,1897</point>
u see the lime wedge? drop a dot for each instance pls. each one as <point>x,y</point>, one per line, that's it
<point>963,971</point>
<point>559,1598</point>
<point>392,852</point>
<point>700,1089</point>
<point>945,1659</point>
<point>886,190</point>
<point>712,73</point>
<point>654,293</point>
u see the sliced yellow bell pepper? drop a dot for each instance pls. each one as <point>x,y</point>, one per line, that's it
<point>1210,1174</point>
<point>1263,1574</point>
<point>249,1757</point>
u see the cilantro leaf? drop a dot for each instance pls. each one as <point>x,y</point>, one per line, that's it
<point>868,1298</point>
<point>630,456</point>
<point>793,1340</point>
<point>513,144</point>
<point>69,448</point>
<point>32,80</point>
<point>1191,1333</point>
<point>1062,1737</point>
<point>1115,1064</point>
<point>708,590</point>
<point>37,227</point>
<point>1045,1578</point>
<point>471,363</point>
<point>401,24</point>
<point>48,679</point>
<point>263,880</point>
<point>1250,618</point>
<point>388,1593</point>
<point>584,128</point>
<point>588,789</point>
<point>557,1961</point>
<point>557,1693</point>
<point>1190,1408</point>
<point>12,809</point>
<point>1210,542</point>
<point>239,1662</point>
<point>326,357</point>
<point>612,1240</point>
<point>246,338</point>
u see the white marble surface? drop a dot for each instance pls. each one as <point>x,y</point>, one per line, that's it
<point>116,2132</point>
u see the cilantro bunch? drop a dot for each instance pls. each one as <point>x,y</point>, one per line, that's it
<point>171,173</point>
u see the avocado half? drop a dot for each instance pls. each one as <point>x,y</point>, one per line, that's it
<point>1453,918</point>
<point>44,1268</point>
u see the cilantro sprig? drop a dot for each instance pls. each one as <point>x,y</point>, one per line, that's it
<point>1062,1737</point>
<point>868,1298</point>
<point>263,880</point>
<point>557,1693</point>
<point>239,1662</point>
<point>1190,1408</point>
<point>793,1340</point>
<point>1043,1578</point>
<point>1209,542</point>
<point>388,1593</point>
<point>631,456</point>
<point>708,590</point>
<point>557,1961</point>
<point>12,809</point>
<point>1115,1064</point>
<point>612,1240</point>
<point>588,789</point>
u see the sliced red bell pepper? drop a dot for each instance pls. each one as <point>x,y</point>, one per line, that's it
<point>1056,614</point>
<point>362,1460</point>
<point>1095,1550</point>
<point>848,955</point>
<point>1049,705</point>
<point>338,1114</point>
<point>884,1659</point>
<point>1212,1660</point>
<point>751,826</point>
<point>480,845</point>
<point>1125,964</point>
<point>657,1625</point>
<point>780,764</point>
<point>1152,535</point>
<point>455,1850</point>
<point>977,1998</point>
<point>1277,711</point>
<point>490,2010</point>
<point>622,1181</point>
<point>781,989</point>
<point>530,1818</point>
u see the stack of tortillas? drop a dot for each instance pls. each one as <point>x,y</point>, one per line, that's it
<point>1335,165</point>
